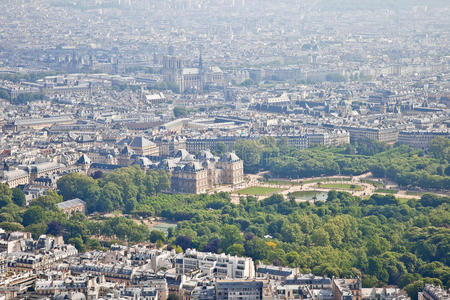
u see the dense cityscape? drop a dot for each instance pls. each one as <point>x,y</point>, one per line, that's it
<point>225,149</point>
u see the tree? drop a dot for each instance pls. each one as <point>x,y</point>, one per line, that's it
<point>163,182</point>
<point>111,198</point>
<point>236,249</point>
<point>36,230</point>
<point>256,248</point>
<point>11,226</point>
<point>76,185</point>
<point>250,152</point>
<point>78,243</point>
<point>184,242</point>
<point>18,197</point>
<point>369,281</point>
<point>47,202</point>
<point>5,195</point>
<point>159,244</point>
<point>231,235</point>
<point>212,246</point>
<point>292,258</point>
<point>5,217</point>
<point>440,148</point>
<point>93,244</point>
<point>407,278</point>
<point>377,245</point>
<point>54,228</point>
<point>97,174</point>
<point>433,200</point>
<point>157,235</point>
<point>180,111</point>
<point>320,237</point>
<point>221,148</point>
<point>33,215</point>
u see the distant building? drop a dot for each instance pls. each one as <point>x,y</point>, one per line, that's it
<point>139,293</point>
<point>192,178</point>
<point>310,280</point>
<point>144,147</point>
<point>14,241</point>
<point>168,145</point>
<point>219,265</point>
<point>420,139</point>
<point>237,290</point>
<point>431,292</point>
<point>71,206</point>
<point>40,123</point>
<point>333,138</point>
<point>388,135</point>
<point>293,291</point>
<point>154,98</point>
<point>347,289</point>
<point>13,178</point>
<point>193,78</point>
<point>195,145</point>
<point>194,175</point>
<point>45,169</point>
<point>3,264</point>
<point>385,293</point>
<point>274,272</point>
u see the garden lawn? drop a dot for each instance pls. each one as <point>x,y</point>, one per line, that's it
<point>341,186</point>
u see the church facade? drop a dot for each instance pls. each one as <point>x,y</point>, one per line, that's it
<point>192,78</point>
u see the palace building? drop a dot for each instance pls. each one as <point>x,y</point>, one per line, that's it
<point>196,174</point>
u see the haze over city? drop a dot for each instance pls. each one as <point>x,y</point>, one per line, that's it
<point>224,149</point>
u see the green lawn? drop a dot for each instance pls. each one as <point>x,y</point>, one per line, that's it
<point>403,200</point>
<point>413,193</point>
<point>310,195</point>
<point>162,226</point>
<point>258,191</point>
<point>341,186</point>
<point>386,191</point>
<point>283,182</point>
<point>375,183</point>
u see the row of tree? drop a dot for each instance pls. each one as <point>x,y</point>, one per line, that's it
<point>122,189</point>
<point>402,164</point>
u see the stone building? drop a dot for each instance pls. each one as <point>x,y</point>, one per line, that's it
<point>194,78</point>
<point>232,169</point>
<point>245,289</point>
<point>217,265</point>
<point>192,178</point>
<point>169,145</point>
<point>431,292</point>
<point>143,147</point>
<point>420,139</point>
<point>71,206</point>
<point>196,174</point>
<point>347,289</point>
<point>13,178</point>
<point>387,135</point>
